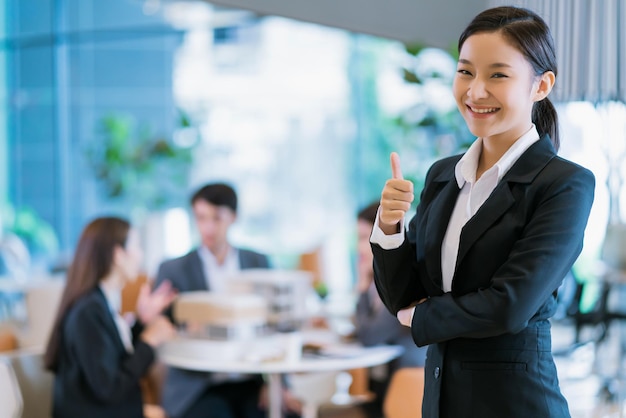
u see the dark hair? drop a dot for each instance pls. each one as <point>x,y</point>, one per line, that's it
<point>530,35</point>
<point>218,194</point>
<point>92,262</point>
<point>368,213</point>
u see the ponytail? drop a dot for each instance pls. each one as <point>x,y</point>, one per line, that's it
<point>546,120</point>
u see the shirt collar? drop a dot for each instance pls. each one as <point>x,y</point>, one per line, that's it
<point>113,297</point>
<point>208,257</point>
<point>465,169</point>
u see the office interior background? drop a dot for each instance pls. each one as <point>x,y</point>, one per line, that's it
<point>127,106</point>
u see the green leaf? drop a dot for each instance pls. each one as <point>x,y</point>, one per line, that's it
<point>410,77</point>
<point>414,48</point>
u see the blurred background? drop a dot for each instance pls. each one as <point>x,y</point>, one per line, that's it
<point>127,106</point>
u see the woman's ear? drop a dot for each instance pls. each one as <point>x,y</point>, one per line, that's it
<point>544,85</point>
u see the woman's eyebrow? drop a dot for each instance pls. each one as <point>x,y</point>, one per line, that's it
<point>494,65</point>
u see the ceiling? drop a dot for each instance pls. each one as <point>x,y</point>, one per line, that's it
<point>432,23</point>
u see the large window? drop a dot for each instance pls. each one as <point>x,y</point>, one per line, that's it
<point>300,118</point>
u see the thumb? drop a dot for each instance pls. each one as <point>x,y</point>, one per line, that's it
<point>396,171</point>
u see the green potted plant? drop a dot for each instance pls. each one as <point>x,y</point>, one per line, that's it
<point>144,170</point>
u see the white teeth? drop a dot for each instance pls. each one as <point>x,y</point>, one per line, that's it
<point>490,110</point>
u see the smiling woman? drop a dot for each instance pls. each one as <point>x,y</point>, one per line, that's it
<point>495,232</point>
<point>496,88</point>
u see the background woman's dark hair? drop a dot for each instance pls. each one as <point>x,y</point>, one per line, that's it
<point>530,35</point>
<point>369,212</point>
<point>92,262</point>
<point>218,194</point>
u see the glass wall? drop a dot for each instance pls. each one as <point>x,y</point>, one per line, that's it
<point>68,64</point>
<point>127,106</point>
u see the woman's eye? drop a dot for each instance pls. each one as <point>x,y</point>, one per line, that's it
<point>499,75</point>
<point>464,72</point>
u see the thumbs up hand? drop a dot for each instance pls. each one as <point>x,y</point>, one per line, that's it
<point>396,198</point>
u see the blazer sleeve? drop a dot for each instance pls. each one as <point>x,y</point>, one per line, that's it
<point>110,375</point>
<point>168,271</point>
<point>539,259</point>
<point>396,271</point>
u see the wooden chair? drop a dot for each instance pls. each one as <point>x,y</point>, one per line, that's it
<point>11,402</point>
<point>8,340</point>
<point>405,393</point>
<point>360,386</point>
<point>34,382</point>
<point>312,262</point>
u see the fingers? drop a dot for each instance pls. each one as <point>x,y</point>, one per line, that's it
<point>164,287</point>
<point>396,171</point>
<point>396,197</point>
<point>144,292</point>
<point>405,316</point>
<point>165,292</point>
<point>158,331</point>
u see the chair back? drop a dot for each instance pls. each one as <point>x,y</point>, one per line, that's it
<point>34,382</point>
<point>11,402</point>
<point>8,340</point>
<point>405,393</point>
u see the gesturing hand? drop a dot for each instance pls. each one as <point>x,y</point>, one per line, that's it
<point>151,304</point>
<point>396,198</point>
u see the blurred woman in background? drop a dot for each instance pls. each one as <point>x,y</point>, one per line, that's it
<point>97,356</point>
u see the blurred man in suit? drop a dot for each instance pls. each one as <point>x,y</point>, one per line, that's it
<point>188,394</point>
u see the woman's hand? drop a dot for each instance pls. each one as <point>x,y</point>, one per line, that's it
<point>405,316</point>
<point>151,304</point>
<point>158,331</point>
<point>396,198</point>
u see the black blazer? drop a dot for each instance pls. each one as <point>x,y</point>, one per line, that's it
<point>378,326</point>
<point>490,353</point>
<point>182,388</point>
<point>96,377</point>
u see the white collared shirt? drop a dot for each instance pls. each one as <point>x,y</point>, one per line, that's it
<point>471,197</point>
<point>217,274</point>
<point>114,301</point>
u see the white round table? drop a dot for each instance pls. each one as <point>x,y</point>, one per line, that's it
<point>264,356</point>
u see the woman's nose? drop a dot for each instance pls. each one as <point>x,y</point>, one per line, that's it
<point>477,90</point>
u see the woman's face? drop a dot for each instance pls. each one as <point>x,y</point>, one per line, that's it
<point>495,88</point>
<point>129,259</point>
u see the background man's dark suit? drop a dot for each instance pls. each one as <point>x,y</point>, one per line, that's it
<point>182,388</point>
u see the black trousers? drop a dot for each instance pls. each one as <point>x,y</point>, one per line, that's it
<point>229,400</point>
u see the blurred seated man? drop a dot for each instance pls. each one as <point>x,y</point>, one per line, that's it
<point>188,394</point>
<point>374,325</point>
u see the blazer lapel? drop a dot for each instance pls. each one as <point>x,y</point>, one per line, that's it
<point>195,272</point>
<point>110,321</point>
<point>497,204</point>
<point>438,218</point>
<point>501,199</point>
<point>245,260</point>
